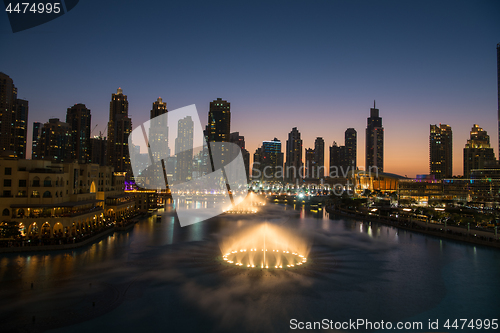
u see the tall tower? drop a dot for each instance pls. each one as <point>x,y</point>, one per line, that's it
<point>257,164</point>
<point>374,142</point>
<point>219,121</point>
<point>272,160</point>
<point>56,142</point>
<point>158,130</point>
<point>184,149</point>
<point>119,128</point>
<point>319,158</point>
<point>37,132</point>
<point>441,151</point>
<point>335,160</point>
<point>159,108</point>
<point>293,164</point>
<point>477,150</point>
<point>98,150</point>
<point>78,117</point>
<point>13,119</point>
<point>310,169</point>
<point>239,140</point>
<point>351,149</point>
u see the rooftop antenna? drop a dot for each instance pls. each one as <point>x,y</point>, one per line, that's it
<point>374,104</point>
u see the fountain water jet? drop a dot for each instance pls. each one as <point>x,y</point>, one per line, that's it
<point>265,246</point>
<point>248,206</point>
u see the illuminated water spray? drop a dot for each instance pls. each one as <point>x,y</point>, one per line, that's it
<point>248,206</point>
<point>265,246</point>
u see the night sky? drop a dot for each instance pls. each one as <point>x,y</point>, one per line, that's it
<point>315,65</point>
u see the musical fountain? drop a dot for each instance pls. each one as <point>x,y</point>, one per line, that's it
<point>264,246</point>
<point>248,206</point>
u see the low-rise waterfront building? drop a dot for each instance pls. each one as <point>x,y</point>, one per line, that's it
<point>481,189</point>
<point>47,198</point>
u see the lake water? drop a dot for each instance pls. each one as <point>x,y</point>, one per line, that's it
<point>161,277</point>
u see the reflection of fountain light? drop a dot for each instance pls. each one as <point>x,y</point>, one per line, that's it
<point>263,246</point>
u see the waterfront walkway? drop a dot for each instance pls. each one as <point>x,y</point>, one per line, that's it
<point>64,243</point>
<point>480,237</point>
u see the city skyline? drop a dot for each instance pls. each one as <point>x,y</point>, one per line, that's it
<point>317,68</point>
<point>163,105</point>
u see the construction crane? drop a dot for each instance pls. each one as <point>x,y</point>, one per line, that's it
<point>105,129</point>
<point>93,129</point>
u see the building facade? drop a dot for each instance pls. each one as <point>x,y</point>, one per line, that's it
<point>78,117</point>
<point>337,154</point>
<point>13,119</point>
<point>48,199</point>
<point>184,149</point>
<point>219,121</point>
<point>271,160</point>
<point>98,146</point>
<point>294,164</point>
<point>119,128</point>
<point>56,142</point>
<point>441,151</point>
<point>158,130</point>
<point>257,164</point>
<point>239,140</point>
<point>319,158</point>
<point>374,149</point>
<point>351,148</point>
<point>37,132</point>
<point>477,151</point>
<point>310,164</point>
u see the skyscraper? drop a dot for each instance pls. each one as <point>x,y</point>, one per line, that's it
<point>13,119</point>
<point>441,151</point>
<point>319,158</point>
<point>335,159</point>
<point>310,167</point>
<point>37,132</point>
<point>293,165</point>
<point>78,117</point>
<point>239,140</point>
<point>98,146</point>
<point>374,142</point>
<point>55,142</point>
<point>272,160</point>
<point>477,150</point>
<point>119,128</point>
<point>351,148</point>
<point>343,158</point>
<point>158,130</point>
<point>184,149</point>
<point>219,121</point>
<point>257,164</point>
